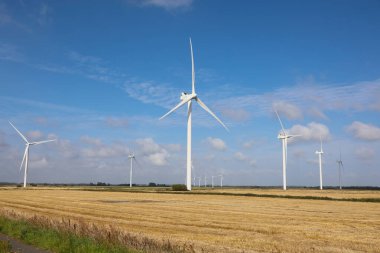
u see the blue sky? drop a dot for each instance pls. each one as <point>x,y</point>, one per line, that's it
<point>97,76</point>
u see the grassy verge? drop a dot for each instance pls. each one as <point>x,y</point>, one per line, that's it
<point>54,240</point>
<point>5,247</point>
<point>60,234</point>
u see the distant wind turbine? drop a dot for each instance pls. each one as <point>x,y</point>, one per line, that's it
<point>205,181</point>
<point>212,181</point>
<point>319,153</point>
<point>340,166</point>
<point>283,136</point>
<point>26,153</point>
<point>131,157</point>
<point>188,98</point>
<point>221,180</point>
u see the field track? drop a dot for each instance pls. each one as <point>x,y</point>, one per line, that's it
<point>217,223</point>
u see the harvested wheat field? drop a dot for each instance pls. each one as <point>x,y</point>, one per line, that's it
<point>333,194</point>
<point>211,223</point>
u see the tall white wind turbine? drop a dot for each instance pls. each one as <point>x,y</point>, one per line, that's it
<point>221,180</point>
<point>319,153</point>
<point>340,166</point>
<point>131,157</point>
<point>283,136</point>
<point>26,153</point>
<point>188,98</point>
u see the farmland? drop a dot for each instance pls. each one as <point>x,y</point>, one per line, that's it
<point>215,223</point>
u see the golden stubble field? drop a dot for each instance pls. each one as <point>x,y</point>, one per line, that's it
<point>216,223</point>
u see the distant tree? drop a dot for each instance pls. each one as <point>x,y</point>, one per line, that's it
<point>152,184</point>
<point>179,187</point>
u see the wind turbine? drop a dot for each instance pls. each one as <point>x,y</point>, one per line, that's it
<point>132,157</point>
<point>283,136</point>
<point>188,98</point>
<point>26,153</point>
<point>205,181</point>
<point>340,165</point>
<point>192,169</point>
<point>221,180</point>
<point>319,153</point>
<point>212,181</point>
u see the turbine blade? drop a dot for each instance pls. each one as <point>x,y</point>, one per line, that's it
<point>192,69</point>
<point>22,136</point>
<point>176,107</point>
<point>209,111</point>
<point>320,137</point>
<point>40,142</point>
<point>282,126</point>
<point>23,159</point>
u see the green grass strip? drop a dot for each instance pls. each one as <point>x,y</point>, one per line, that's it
<point>55,241</point>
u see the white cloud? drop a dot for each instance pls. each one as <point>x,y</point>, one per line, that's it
<point>364,153</point>
<point>359,96</point>
<point>240,156</point>
<point>313,131</point>
<point>91,67</point>
<point>106,151</point>
<point>314,111</point>
<point>151,93</point>
<point>10,53</point>
<point>364,131</point>
<point>99,149</point>
<point>290,111</point>
<point>174,147</point>
<point>44,15</point>
<point>153,152</point>
<point>216,143</point>
<point>39,162</point>
<point>252,163</point>
<point>248,144</point>
<point>167,4</point>
<point>66,149</point>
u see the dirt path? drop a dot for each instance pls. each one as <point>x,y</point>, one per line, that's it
<point>20,247</point>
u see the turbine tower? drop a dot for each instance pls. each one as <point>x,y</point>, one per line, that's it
<point>26,153</point>
<point>131,157</point>
<point>340,166</point>
<point>188,98</point>
<point>221,180</point>
<point>319,153</point>
<point>283,136</point>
